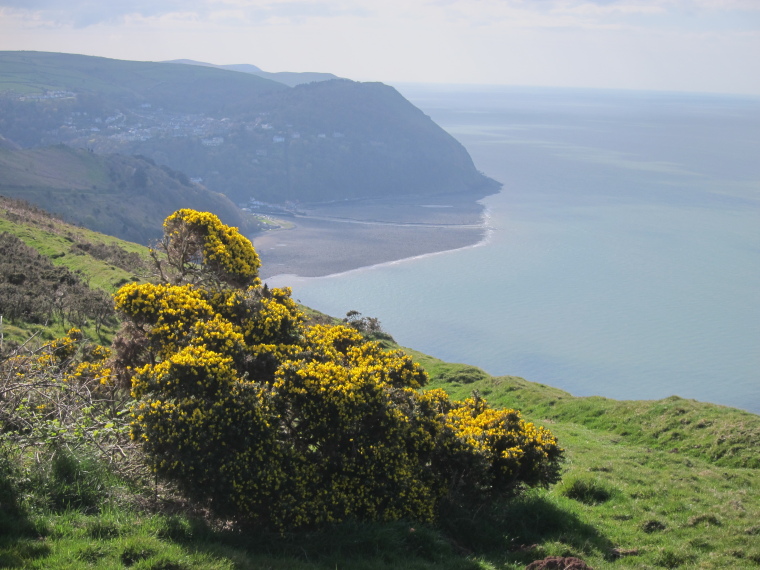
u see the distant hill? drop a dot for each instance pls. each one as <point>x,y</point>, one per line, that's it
<point>238,133</point>
<point>98,83</point>
<point>289,78</point>
<point>124,196</point>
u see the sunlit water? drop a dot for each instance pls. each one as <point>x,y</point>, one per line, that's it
<point>624,253</point>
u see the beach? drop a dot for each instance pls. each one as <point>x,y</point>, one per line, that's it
<point>333,238</point>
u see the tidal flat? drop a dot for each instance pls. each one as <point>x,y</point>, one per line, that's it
<point>332,238</point>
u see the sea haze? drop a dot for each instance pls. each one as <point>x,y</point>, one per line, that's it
<point>623,257</point>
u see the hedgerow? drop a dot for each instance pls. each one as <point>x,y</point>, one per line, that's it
<point>276,423</point>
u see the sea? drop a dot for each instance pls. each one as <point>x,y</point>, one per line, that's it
<point>622,256</point>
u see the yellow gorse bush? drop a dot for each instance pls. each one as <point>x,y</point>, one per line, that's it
<point>202,238</point>
<point>266,419</point>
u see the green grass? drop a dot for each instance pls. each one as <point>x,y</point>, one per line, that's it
<point>45,333</point>
<point>658,512</point>
<point>71,247</point>
<point>56,239</point>
<point>58,247</point>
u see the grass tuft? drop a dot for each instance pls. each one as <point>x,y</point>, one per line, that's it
<point>668,558</point>
<point>587,491</point>
<point>70,481</point>
<point>93,552</point>
<point>706,520</point>
<point>135,552</point>
<point>103,529</point>
<point>653,525</point>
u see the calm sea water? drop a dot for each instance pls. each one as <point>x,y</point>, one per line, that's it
<point>624,251</point>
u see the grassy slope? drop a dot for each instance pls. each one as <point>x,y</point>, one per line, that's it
<point>675,480</point>
<point>647,484</point>
<point>724,436</point>
<point>58,240</point>
<point>51,168</point>
<point>626,501</point>
<point>54,238</point>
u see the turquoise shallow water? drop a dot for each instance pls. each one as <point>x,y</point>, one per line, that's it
<point>624,253</point>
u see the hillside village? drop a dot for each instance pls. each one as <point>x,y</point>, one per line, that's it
<point>145,122</point>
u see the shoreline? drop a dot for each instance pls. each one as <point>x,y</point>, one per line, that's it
<point>335,240</point>
<point>285,279</point>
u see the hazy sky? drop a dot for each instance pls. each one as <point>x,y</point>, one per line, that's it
<point>683,45</point>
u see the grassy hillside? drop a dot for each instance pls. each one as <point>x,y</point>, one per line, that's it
<point>621,504</point>
<point>123,196</point>
<point>89,261</point>
<point>646,484</point>
<point>73,246</point>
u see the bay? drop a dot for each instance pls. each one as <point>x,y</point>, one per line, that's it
<point>623,252</point>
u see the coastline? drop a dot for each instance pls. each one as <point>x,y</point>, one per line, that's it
<point>337,238</point>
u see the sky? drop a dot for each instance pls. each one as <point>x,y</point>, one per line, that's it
<point>666,45</point>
